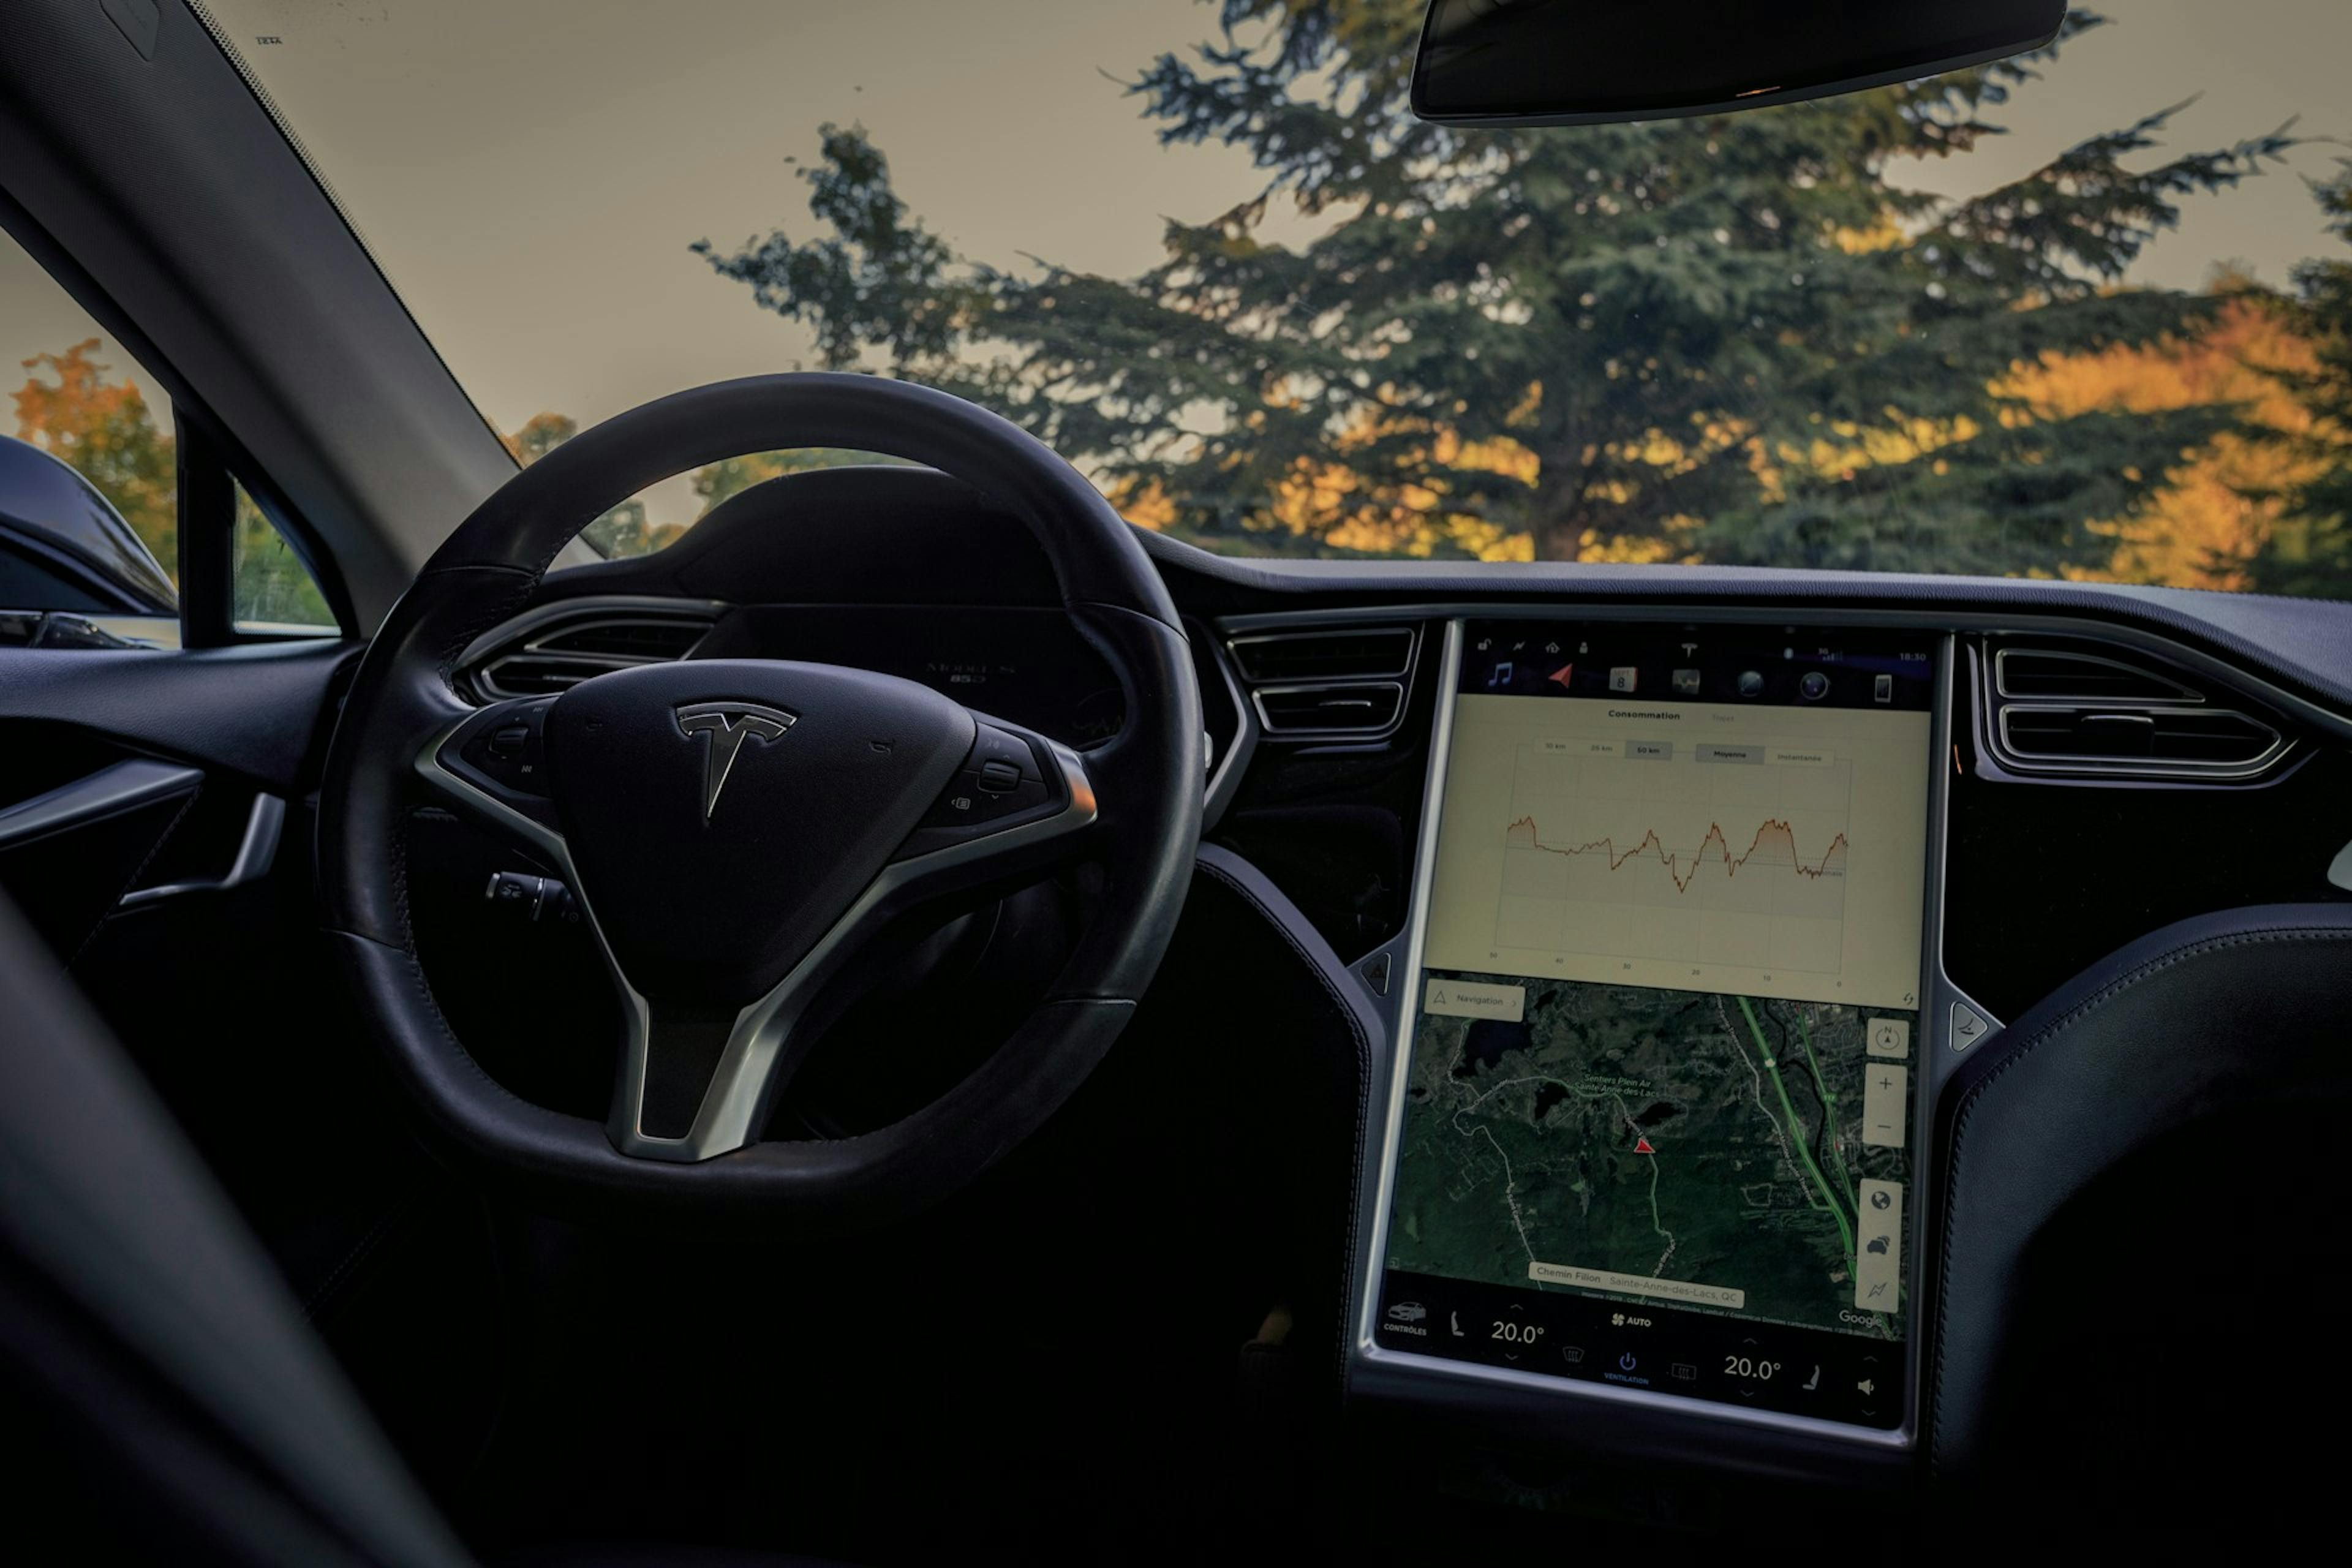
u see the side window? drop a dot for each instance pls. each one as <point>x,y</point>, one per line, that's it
<point>270,589</point>
<point>89,481</point>
<point>93,497</point>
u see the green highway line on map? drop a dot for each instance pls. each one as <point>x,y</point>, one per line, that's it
<point>1829,1121</point>
<point>1797,1132</point>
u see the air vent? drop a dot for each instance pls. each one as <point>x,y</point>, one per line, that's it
<point>1353,707</point>
<point>1344,684</point>
<point>2065,673</point>
<point>1354,654</point>
<point>2067,712</point>
<point>525,675</point>
<point>648,641</point>
<point>558,650</point>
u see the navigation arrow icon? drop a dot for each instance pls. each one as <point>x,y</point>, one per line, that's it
<point>1641,1146</point>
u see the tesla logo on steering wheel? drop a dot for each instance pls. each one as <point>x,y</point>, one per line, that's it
<point>727,724</point>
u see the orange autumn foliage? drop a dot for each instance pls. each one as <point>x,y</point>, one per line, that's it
<point>103,429</point>
<point>2220,503</point>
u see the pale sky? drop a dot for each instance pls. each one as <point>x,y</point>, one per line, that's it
<point>530,172</point>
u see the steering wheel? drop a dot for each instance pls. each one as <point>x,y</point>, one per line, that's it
<point>736,831</point>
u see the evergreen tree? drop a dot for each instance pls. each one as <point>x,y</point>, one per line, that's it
<point>2310,549</point>
<point>1732,339</point>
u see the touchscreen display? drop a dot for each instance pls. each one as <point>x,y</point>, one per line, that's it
<point>1658,1112</point>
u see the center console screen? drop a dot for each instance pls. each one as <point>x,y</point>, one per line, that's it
<point>1658,1107</point>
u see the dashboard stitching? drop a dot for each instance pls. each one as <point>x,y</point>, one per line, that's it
<point>1225,876</point>
<point>2056,1027</point>
<point>402,849</point>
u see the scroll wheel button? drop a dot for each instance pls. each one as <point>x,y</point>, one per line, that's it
<point>999,778</point>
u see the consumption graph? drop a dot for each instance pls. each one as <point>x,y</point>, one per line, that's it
<point>1774,848</point>
<point>1725,856</point>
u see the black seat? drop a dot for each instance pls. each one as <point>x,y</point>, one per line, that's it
<point>185,1412</point>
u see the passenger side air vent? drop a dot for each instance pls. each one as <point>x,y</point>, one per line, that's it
<point>552,652</point>
<point>2043,672</point>
<point>2067,711</point>
<point>1343,684</point>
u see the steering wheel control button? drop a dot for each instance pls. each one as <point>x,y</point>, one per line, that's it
<point>986,797</point>
<point>504,750</point>
<point>999,750</point>
<point>1000,783</point>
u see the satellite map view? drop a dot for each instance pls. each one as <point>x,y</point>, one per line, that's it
<point>1719,1152</point>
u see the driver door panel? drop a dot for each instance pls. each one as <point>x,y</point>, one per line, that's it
<point>156,828</point>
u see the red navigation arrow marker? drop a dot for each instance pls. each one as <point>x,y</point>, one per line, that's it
<point>1562,675</point>
<point>1641,1146</point>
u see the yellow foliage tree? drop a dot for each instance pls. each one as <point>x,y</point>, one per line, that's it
<point>103,430</point>
<point>2218,507</point>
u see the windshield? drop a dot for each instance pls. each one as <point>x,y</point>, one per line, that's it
<point>2084,315</point>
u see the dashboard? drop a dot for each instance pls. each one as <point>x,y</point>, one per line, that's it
<point>1675,910</point>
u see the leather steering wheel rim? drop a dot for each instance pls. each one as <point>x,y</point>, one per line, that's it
<point>1141,831</point>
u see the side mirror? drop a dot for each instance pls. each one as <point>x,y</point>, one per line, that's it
<point>67,555</point>
<point>1573,62</point>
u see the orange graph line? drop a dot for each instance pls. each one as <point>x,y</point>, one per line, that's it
<point>1774,839</point>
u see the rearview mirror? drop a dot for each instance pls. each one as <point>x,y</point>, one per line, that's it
<point>1572,62</point>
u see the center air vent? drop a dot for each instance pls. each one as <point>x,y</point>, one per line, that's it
<point>1343,684</point>
<point>2066,710</point>
<point>552,652</point>
<point>1314,655</point>
<point>651,639</point>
